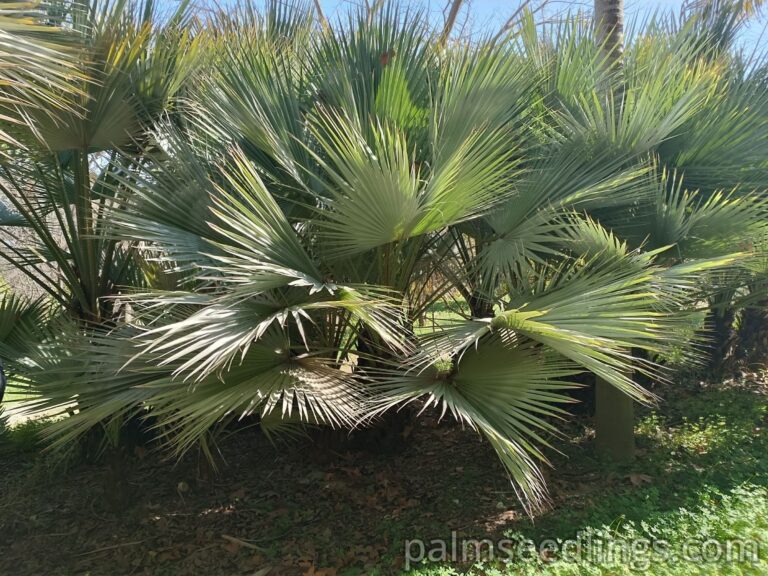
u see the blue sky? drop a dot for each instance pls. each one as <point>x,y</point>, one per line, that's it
<point>493,13</point>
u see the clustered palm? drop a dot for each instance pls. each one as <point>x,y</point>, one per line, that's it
<point>250,214</point>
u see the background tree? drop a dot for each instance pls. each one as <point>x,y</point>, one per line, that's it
<point>614,410</point>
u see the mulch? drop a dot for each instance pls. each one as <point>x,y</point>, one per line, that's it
<point>295,509</point>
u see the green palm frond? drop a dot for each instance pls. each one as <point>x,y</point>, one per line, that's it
<point>701,224</point>
<point>507,389</point>
<point>721,145</point>
<point>529,227</point>
<point>23,325</point>
<point>251,95</point>
<point>592,313</point>
<point>64,192</point>
<point>306,389</point>
<point>38,70</point>
<point>223,328</point>
<point>272,379</point>
<point>261,244</point>
<point>130,67</point>
<point>169,201</point>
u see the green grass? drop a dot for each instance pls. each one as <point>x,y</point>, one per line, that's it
<point>685,542</point>
<point>21,440</point>
<point>441,314</point>
<point>13,397</point>
<point>16,392</point>
<point>701,479</point>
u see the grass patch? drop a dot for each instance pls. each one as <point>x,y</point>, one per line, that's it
<point>16,392</point>
<point>699,481</point>
<point>725,535</point>
<point>22,439</point>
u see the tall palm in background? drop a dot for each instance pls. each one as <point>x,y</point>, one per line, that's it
<point>713,26</point>
<point>609,28</point>
<point>614,410</point>
<point>265,240</point>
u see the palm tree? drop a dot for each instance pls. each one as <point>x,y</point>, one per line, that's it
<point>53,218</point>
<point>730,154</point>
<point>291,217</point>
<point>700,221</point>
<point>614,411</point>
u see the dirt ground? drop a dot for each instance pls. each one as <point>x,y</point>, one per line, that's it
<point>315,507</point>
<point>295,509</point>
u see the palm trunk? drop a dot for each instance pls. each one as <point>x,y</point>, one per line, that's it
<point>753,335</point>
<point>609,28</point>
<point>614,423</point>
<point>387,433</point>
<point>723,340</point>
<point>3,382</point>
<point>87,264</point>
<point>614,410</point>
<point>479,306</point>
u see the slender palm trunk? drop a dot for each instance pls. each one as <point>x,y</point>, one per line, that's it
<point>87,264</point>
<point>614,410</point>
<point>753,335</point>
<point>609,28</point>
<point>3,382</point>
<point>614,423</point>
<point>724,339</point>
